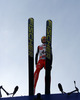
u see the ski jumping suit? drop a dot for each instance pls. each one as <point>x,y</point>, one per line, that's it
<point>41,63</point>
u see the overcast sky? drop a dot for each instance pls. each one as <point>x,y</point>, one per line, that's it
<point>14,15</point>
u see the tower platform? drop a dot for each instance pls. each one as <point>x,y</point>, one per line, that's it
<point>74,96</point>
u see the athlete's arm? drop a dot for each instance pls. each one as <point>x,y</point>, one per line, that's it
<point>36,58</point>
<point>50,61</point>
<point>51,58</point>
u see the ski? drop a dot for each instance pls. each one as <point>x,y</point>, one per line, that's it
<point>31,55</point>
<point>48,55</point>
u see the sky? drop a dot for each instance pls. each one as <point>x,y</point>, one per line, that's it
<point>14,15</point>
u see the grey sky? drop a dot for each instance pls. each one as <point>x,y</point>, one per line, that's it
<point>14,16</point>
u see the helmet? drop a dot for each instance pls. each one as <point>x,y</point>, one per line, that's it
<point>44,37</point>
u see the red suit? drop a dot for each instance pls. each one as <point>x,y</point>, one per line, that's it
<point>41,51</point>
<point>41,63</point>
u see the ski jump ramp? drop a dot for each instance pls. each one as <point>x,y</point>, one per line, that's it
<point>74,96</point>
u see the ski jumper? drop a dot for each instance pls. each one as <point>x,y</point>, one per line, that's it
<point>41,63</point>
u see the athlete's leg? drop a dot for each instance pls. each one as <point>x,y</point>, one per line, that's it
<point>39,66</point>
